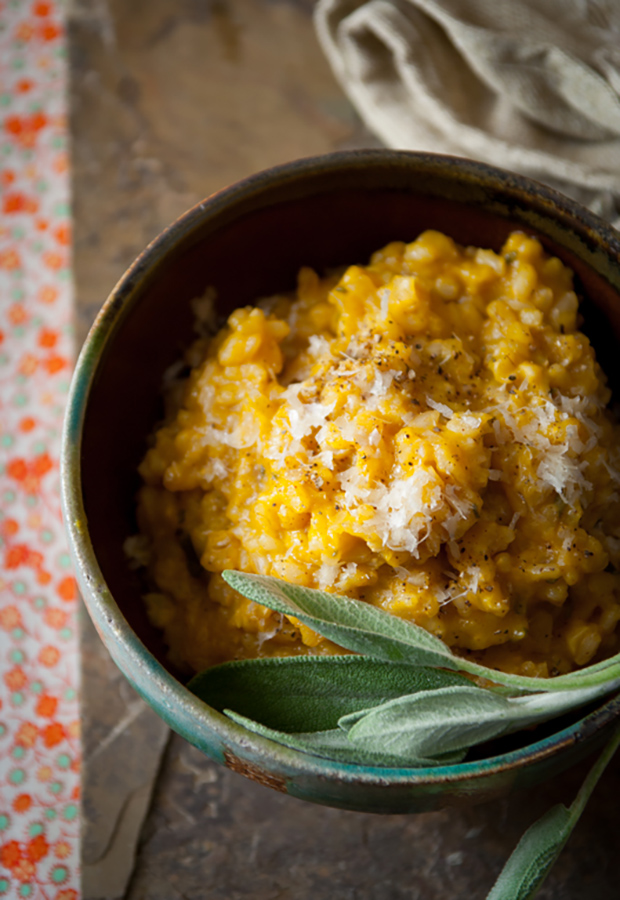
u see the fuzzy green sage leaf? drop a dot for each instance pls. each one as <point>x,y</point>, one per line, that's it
<point>362,628</point>
<point>334,744</point>
<point>454,718</point>
<point>351,624</point>
<point>311,693</point>
<point>540,846</point>
<point>434,724</point>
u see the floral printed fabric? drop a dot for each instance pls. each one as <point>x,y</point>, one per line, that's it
<point>39,724</point>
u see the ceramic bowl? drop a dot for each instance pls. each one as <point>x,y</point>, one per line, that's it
<point>249,240</point>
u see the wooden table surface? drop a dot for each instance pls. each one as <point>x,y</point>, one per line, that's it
<point>172,100</point>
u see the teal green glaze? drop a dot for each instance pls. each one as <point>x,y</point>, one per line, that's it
<point>302,775</point>
<point>321,780</point>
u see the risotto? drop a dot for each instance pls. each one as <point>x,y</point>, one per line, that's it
<point>428,433</point>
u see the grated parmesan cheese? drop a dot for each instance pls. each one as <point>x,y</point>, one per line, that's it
<point>403,511</point>
<point>381,457</point>
<point>440,407</point>
<point>374,438</point>
<point>318,345</point>
<point>385,299</point>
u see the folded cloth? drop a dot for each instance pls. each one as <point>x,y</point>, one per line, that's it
<point>528,85</point>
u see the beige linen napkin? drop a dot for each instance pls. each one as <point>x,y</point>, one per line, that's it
<point>528,85</point>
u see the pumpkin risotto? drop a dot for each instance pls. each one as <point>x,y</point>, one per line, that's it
<point>427,433</point>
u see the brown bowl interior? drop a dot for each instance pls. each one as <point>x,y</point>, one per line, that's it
<point>255,248</point>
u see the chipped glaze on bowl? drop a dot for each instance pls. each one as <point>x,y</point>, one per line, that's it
<point>249,240</point>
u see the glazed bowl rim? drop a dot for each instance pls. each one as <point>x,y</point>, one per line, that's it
<point>175,703</point>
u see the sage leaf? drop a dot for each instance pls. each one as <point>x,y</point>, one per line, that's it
<point>454,718</point>
<point>310,693</point>
<point>351,624</point>
<point>333,744</point>
<point>362,628</point>
<point>533,856</point>
<point>447,719</point>
<point>532,859</point>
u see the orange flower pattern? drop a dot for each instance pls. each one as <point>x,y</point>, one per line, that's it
<point>39,717</point>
